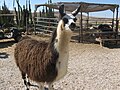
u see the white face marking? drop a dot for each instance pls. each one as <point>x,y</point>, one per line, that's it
<point>70,21</point>
<point>70,18</point>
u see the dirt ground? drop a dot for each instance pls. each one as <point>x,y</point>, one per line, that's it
<point>91,67</point>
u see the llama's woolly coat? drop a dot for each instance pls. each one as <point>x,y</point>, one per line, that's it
<point>37,59</point>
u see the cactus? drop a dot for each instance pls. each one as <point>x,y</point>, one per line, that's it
<point>5,19</point>
<point>30,13</point>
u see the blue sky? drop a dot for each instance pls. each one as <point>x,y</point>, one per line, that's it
<point>108,13</point>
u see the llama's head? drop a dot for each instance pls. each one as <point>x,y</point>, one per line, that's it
<point>68,19</point>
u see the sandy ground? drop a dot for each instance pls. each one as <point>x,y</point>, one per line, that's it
<point>90,67</point>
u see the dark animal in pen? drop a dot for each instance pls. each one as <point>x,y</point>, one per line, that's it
<point>107,31</point>
<point>105,27</point>
<point>11,32</point>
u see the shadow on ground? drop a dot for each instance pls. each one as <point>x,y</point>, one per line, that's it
<point>6,44</point>
<point>110,45</point>
<point>3,55</point>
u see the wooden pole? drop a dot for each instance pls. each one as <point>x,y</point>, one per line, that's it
<point>117,21</point>
<point>113,20</point>
<point>87,19</point>
<point>81,30</point>
<point>35,21</point>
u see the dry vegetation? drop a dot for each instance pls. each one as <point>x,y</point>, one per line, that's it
<point>90,67</point>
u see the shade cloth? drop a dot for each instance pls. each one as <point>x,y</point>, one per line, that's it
<point>85,7</point>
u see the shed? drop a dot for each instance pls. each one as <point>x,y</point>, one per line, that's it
<point>85,8</point>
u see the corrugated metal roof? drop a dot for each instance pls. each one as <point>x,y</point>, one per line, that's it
<point>85,7</point>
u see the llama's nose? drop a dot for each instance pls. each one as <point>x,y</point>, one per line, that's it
<point>72,25</point>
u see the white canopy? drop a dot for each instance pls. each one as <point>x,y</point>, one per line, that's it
<point>85,7</point>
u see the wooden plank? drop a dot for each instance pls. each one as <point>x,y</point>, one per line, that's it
<point>7,14</point>
<point>43,30</point>
<point>104,32</point>
<point>47,18</point>
<point>45,26</point>
<point>46,22</point>
<point>110,39</point>
<point>102,41</point>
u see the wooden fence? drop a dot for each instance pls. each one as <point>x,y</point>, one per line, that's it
<point>45,25</point>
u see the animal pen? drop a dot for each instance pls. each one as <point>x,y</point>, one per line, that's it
<point>82,30</point>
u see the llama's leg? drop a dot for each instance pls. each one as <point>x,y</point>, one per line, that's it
<point>25,81</point>
<point>29,84</point>
<point>48,86</point>
<point>41,86</point>
<point>51,87</point>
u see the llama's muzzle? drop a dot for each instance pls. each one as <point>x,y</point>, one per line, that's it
<point>72,26</point>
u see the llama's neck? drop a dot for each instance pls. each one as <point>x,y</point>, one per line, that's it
<point>62,38</point>
<point>62,46</point>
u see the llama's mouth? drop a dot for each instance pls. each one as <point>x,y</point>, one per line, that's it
<point>72,28</point>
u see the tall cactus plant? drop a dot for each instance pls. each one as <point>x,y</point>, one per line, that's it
<point>30,13</point>
<point>5,19</point>
<point>19,13</point>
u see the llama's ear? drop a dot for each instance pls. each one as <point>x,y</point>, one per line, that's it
<point>74,13</point>
<point>61,11</point>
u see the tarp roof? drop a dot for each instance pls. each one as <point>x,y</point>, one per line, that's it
<point>85,7</point>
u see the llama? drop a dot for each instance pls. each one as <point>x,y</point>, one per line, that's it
<point>46,62</point>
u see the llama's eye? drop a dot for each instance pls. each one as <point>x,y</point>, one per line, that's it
<point>75,19</point>
<point>65,20</point>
